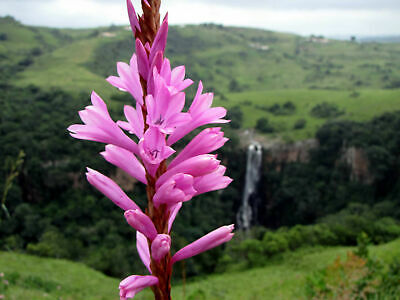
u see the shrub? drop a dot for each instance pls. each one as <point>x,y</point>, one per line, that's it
<point>235,114</point>
<point>264,126</point>
<point>52,244</point>
<point>36,51</point>
<point>326,110</point>
<point>253,251</point>
<point>300,124</point>
<point>358,277</point>
<point>26,62</point>
<point>287,108</point>
<point>274,243</point>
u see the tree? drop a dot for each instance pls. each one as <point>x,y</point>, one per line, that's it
<point>264,126</point>
<point>235,114</point>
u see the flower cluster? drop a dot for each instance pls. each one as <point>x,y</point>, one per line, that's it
<point>142,147</point>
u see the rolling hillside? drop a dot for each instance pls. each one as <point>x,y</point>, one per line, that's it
<point>281,279</point>
<point>248,67</point>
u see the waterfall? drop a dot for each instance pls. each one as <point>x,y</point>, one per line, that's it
<point>253,170</point>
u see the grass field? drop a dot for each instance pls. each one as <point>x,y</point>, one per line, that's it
<point>283,278</point>
<point>364,106</point>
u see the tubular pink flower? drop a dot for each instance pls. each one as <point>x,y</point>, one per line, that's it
<point>178,188</point>
<point>153,148</point>
<point>133,20</point>
<point>202,113</point>
<point>155,67</point>
<point>173,211</point>
<point>142,59</point>
<point>160,246</point>
<point>133,284</point>
<point>141,223</point>
<point>142,247</point>
<point>110,189</point>
<point>164,109</point>
<point>160,41</point>
<point>100,127</point>
<point>212,182</point>
<point>207,242</point>
<point>128,80</point>
<point>199,165</point>
<point>208,140</point>
<point>135,124</point>
<point>126,161</point>
<point>174,79</point>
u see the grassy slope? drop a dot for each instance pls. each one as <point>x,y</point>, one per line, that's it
<point>282,279</point>
<point>293,68</point>
<point>365,106</point>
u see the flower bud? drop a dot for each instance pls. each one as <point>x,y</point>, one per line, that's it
<point>160,246</point>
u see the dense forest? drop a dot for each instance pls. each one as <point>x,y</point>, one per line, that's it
<point>54,212</point>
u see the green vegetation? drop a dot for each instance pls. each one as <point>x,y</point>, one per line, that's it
<point>264,126</point>
<point>355,162</point>
<point>360,276</point>
<point>367,105</point>
<point>34,278</point>
<point>343,94</point>
<point>284,277</point>
<point>261,68</point>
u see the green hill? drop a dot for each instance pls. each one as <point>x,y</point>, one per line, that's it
<point>257,67</point>
<point>226,58</point>
<point>40,278</point>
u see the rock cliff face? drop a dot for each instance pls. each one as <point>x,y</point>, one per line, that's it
<point>357,160</point>
<point>278,154</point>
<point>281,153</point>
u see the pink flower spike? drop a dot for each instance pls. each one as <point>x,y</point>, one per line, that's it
<point>212,182</point>
<point>160,40</point>
<point>205,243</point>
<point>126,161</point>
<point>208,140</point>
<point>133,20</point>
<point>160,246</point>
<point>199,165</point>
<point>179,188</point>
<point>173,211</point>
<point>142,247</point>
<point>128,79</point>
<point>141,223</point>
<point>152,147</point>
<point>110,189</point>
<point>133,284</point>
<point>99,127</point>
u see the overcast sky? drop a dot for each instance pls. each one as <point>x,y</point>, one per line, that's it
<point>327,17</point>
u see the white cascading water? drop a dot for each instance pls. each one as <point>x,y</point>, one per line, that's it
<point>253,172</point>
